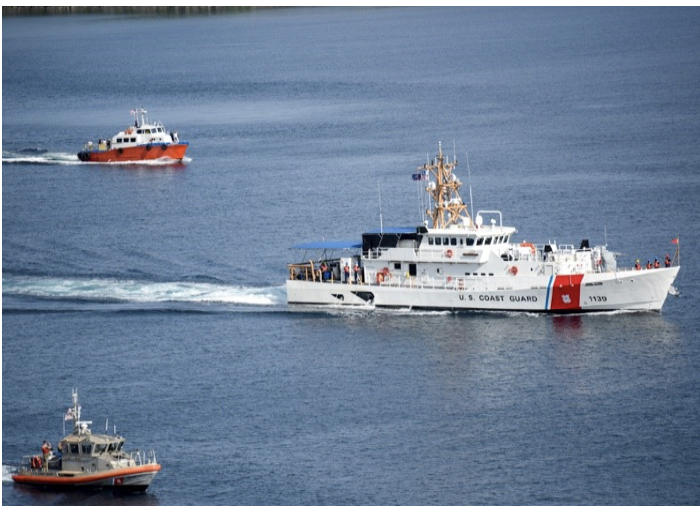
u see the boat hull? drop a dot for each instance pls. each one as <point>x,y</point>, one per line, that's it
<point>577,293</point>
<point>136,153</point>
<point>132,479</point>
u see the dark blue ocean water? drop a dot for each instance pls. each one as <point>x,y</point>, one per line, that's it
<point>158,291</point>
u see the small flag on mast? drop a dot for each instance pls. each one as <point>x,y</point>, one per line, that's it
<point>69,415</point>
<point>675,241</point>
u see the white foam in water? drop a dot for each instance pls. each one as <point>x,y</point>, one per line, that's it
<point>140,291</point>
<point>43,158</point>
<point>7,472</point>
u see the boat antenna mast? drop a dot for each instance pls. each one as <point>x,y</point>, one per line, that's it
<point>443,188</point>
<point>139,114</point>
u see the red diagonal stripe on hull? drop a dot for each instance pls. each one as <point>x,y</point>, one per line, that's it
<point>566,293</point>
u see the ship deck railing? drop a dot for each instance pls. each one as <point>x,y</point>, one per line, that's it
<point>141,457</point>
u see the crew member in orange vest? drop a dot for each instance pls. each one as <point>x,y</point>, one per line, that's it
<point>637,266</point>
<point>667,262</point>
<point>656,263</point>
<point>346,271</point>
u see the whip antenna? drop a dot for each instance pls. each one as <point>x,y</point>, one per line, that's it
<point>469,172</point>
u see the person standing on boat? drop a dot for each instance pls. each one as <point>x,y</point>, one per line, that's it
<point>346,272</point>
<point>637,266</point>
<point>356,268</point>
<point>667,262</point>
<point>656,263</point>
<point>46,451</point>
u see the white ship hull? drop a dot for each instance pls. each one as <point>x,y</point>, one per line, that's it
<point>643,290</point>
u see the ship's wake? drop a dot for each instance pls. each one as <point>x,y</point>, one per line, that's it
<point>39,157</point>
<point>140,292</point>
<point>7,472</point>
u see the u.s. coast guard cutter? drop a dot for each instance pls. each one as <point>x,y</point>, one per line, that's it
<point>462,263</point>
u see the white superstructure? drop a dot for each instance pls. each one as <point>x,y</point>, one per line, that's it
<point>462,264</point>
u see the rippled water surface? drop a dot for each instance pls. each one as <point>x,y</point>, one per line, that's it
<point>158,289</point>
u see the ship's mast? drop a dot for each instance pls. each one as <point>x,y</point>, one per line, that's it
<point>443,188</point>
<point>139,114</point>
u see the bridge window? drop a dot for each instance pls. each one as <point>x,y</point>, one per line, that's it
<point>480,241</point>
<point>453,241</point>
<point>87,449</point>
<point>430,241</point>
<point>74,448</point>
<point>488,240</point>
<point>470,241</point>
<point>397,266</point>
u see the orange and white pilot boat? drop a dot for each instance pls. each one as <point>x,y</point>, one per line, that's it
<point>142,141</point>
<point>88,461</point>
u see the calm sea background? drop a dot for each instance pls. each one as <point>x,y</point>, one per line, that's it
<point>158,291</point>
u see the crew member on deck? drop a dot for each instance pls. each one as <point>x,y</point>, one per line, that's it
<point>667,262</point>
<point>357,272</point>
<point>649,265</point>
<point>46,451</point>
<point>656,263</point>
<point>346,272</point>
<point>637,266</point>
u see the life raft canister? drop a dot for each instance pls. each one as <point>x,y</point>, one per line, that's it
<point>529,245</point>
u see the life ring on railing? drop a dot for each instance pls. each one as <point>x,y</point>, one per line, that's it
<point>449,253</point>
<point>514,270</point>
